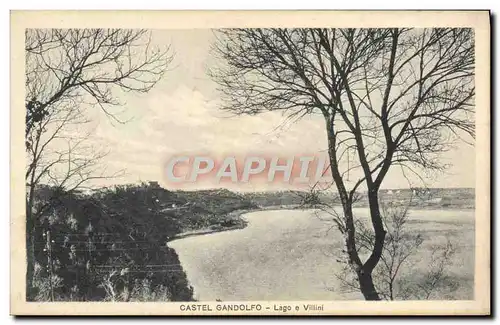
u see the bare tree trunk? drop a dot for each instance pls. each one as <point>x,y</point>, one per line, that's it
<point>350,243</point>
<point>378,227</point>
<point>366,285</point>
<point>365,274</point>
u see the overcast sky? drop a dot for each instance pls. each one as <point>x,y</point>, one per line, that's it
<point>181,115</point>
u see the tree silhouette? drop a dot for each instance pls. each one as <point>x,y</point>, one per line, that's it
<point>68,71</point>
<point>395,97</point>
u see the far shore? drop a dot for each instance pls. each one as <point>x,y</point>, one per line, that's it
<point>238,213</point>
<point>235,214</point>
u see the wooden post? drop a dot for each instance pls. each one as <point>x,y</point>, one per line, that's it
<point>90,261</point>
<point>89,270</point>
<point>49,265</point>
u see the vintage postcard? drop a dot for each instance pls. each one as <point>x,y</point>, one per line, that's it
<point>250,163</point>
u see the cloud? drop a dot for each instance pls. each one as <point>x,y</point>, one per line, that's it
<point>185,120</point>
<point>181,114</point>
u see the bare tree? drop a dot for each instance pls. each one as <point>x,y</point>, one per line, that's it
<point>391,96</point>
<point>69,71</point>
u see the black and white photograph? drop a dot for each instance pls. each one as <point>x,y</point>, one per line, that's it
<point>254,170</point>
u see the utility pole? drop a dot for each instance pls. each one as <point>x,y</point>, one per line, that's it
<point>89,264</point>
<point>49,265</point>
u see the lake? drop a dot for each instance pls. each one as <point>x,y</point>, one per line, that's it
<point>292,255</point>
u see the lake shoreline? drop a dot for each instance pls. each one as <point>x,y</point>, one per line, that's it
<point>238,214</point>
